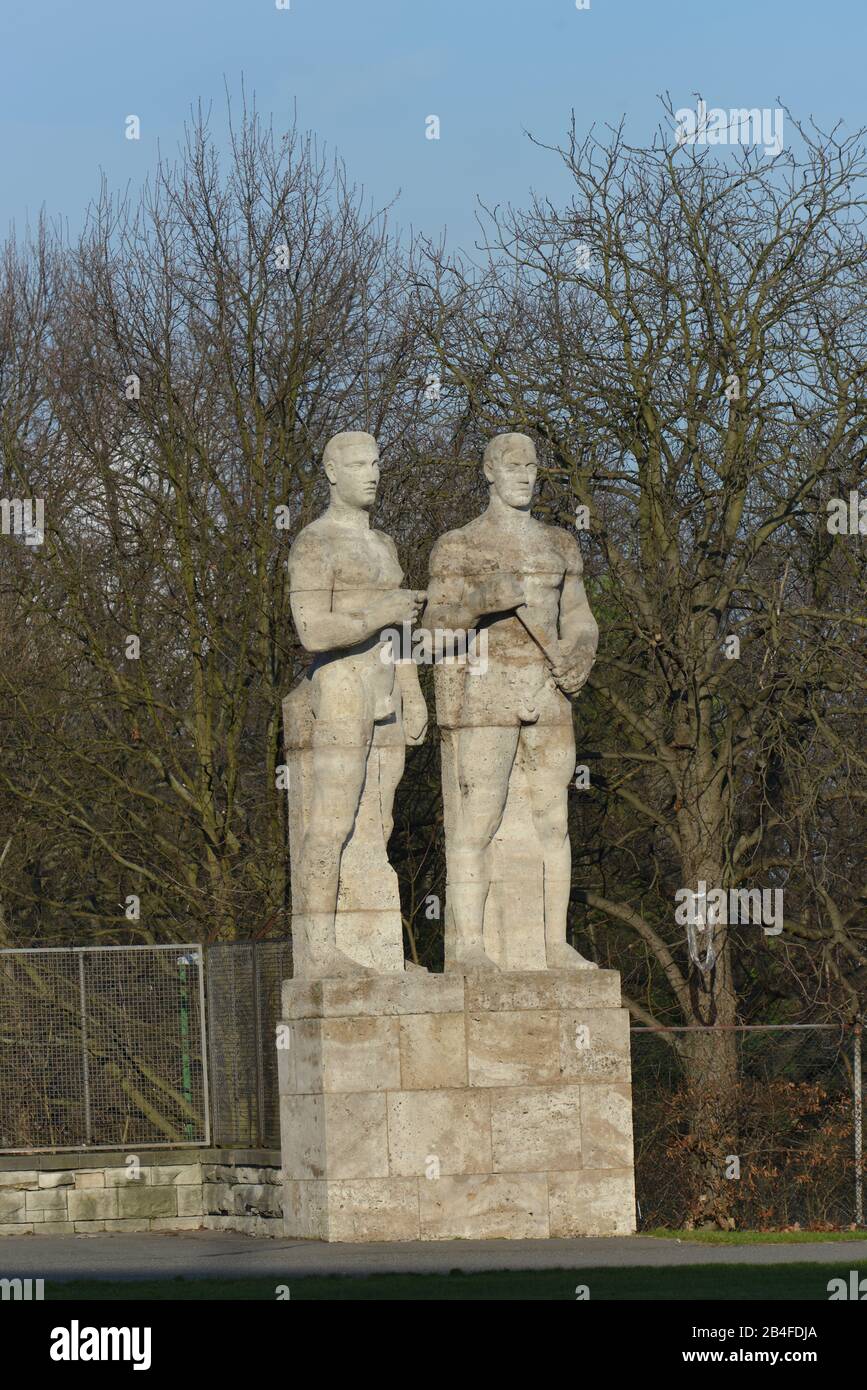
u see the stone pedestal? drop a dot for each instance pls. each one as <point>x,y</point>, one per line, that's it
<point>456,1107</point>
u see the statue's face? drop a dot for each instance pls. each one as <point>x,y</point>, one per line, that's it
<point>512,474</point>
<point>354,474</point>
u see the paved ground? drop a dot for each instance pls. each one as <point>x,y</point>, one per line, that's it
<point>213,1254</point>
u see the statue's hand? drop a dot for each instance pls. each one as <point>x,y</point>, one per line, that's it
<point>573,668</point>
<point>402,606</point>
<point>501,593</point>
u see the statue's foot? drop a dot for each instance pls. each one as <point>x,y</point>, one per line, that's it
<point>559,955</point>
<point>331,963</point>
<point>475,958</point>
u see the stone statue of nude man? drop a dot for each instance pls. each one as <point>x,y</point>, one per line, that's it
<point>519,580</point>
<point>348,722</point>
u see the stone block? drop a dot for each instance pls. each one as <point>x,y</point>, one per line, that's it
<point>514,1048</point>
<point>483,1206</point>
<point>13,1205</point>
<point>433,1051</point>
<point>598,1202</point>
<point>377,1209</point>
<point>23,1179</point>
<point>89,1179</point>
<point>95,1204</point>
<point>57,1177</point>
<point>594,1045</point>
<point>536,1129</point>
<point>343,1134</point>
<point>191,1200</point>
<point>47,1204</point>
<point>544,990</point>
<point>385,995</point>
<point>443,1131</point>
<point>124,1176</point>
<point>606,1126</point>
<point>57,1228</point>
<point>23,1228</point>
<point>346,1054</point>
<point>146,1201</point>
<point>175,1174</point>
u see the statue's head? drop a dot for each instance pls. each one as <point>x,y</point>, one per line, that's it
<point>510,467</point>
<point>351,463</point>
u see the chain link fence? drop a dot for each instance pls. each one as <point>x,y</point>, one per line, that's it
<point>145,1046</point>
<point>752,1127</point>
<point>102,1047</point>
<point>243,992</point>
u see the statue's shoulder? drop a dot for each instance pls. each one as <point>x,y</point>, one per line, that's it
<point>565,544</point>
<point>313,545</point>
<point>451,552</point>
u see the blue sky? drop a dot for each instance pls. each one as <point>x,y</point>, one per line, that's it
<point>366,73</point>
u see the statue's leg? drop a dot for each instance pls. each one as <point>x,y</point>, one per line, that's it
<point>485,757</point>
<point>548,758</point>
<point>340,753</point>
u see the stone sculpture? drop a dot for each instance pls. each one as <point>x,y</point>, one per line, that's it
<point>347,723</point>
<point>508,747</point>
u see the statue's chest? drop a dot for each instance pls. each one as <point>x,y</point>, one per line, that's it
<point>365,563</point>
<point>530,555</point>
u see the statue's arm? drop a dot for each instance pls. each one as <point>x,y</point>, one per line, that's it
<point>457,598</point>
<point>311,585</point>
<point>579,631</point>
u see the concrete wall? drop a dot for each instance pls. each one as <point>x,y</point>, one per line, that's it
<point>153,1190</point>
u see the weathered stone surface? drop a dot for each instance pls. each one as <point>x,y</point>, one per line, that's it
<point>129,1176</point>
<point>93,1205</point>
<point>57,1178</point>
<point>177,1223</point>
<point>594,1045</point>
<point>592,1202</point>
<point>433,1051</point>
<point>47,1205</point>
<point>191,1200</point>
<point>513,1048</point>
<point>450,1130</point>
<point>536,1129</point>
<point>56,1228</point>
<point>380,1209</point>
<point>23,1179</point>
<point>412,993</point>
<point>606,1126</point>
<point>484,1207</point>
<point>542,989</point>
<point>89,1179</point>
<point>346,1054</point>
<point>474,1159</point>
<point>13,1205</point>
<point>23,1228</point>
<point>146,1201</point>
<point>175,1174</point>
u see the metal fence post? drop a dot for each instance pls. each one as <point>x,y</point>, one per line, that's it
<point>84,1061</point>
<point>859,1147</point>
